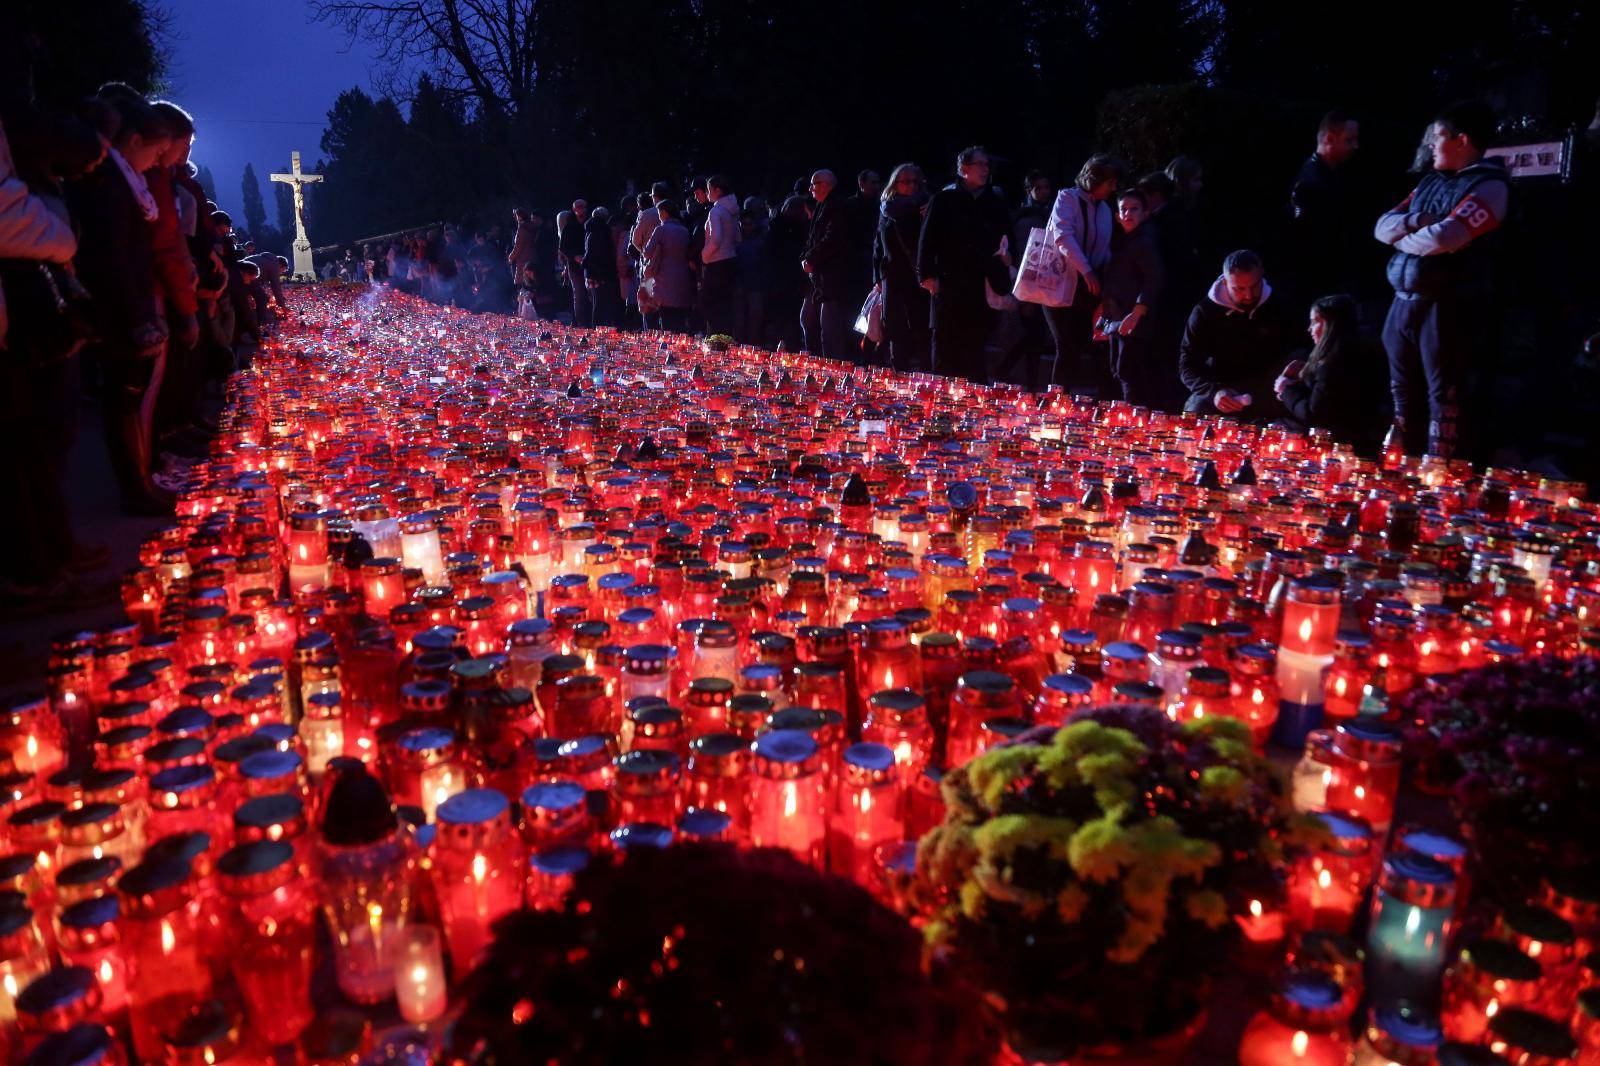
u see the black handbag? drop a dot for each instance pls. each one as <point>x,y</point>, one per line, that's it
<point>51,315</point>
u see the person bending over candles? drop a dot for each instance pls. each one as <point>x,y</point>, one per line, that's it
<point>1234,343</point>
<point>1332,387</point>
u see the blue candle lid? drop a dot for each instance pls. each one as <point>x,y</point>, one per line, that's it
<point>553,795</point>
<point>1346,829</point>
<point>580,747</point>
<point>428,738</point>
<point>613,581</point>
<point>868,756</point>
<point>1436,845</point>
<point>560,862</point>
<point>1416,878</point>
<point>1408,1025</point>
<point>1124,650</point>
<point>85,1044</point>
<point>278,734</point>
<point>785,746</point>
<point>92,913</point>
<point>704,823</point>
<point>265,765</point>
<point>473,807</point>
<point>183,778</point>
<point>640,835</point>
<point>186,720</point>
<point>56,988</point>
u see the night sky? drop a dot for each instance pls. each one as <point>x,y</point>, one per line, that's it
<point>259,78</point>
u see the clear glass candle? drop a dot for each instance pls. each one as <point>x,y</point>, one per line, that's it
<point>420,546</point>
<point>477,871</point>
<point>366,870</point>
<point>420,985</point>
<point>1413,914</point>
<point>788,806</point>
<point>272,936</point>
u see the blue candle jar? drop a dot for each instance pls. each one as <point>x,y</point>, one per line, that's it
<point>1413,914</point>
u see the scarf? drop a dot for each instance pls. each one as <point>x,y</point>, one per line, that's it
<point>137,184</point>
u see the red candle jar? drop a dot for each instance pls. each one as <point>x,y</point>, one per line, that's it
<point>210,1034</point>
<point>55,1002</point>
<point>23,954</point>
<point>477,864</point>
<point>889,661</point>
<point>708,699</point>
<point>1311,614</point>
<point>787,795</point>
<point>36,830</point>
<point>1526,1038</point>
<point>646,787</point>
<point>980,695</point>
<point>898,719</point>
<point>866,811</point>
<point>272,936</point>
<point>555,813</point>
<point>1364,778</point>
<point>718,778</point>
<point>97,830</point>
<point>1206,692</point>
<point>1548,938</point>
<point>581,707</point>
<point>1329,879</point>
<point>551,873</point>
<point>1119,661</point>
<point>163,936</point>
<point>1061,696</point>
<point>428,770</point>
<point>1303,1024</point>
<point>88,935</point>
<point>31,734</point>
<point>1347,677</point>
<point>1489,976</point>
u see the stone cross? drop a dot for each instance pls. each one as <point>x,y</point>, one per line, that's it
<point>304,269</point>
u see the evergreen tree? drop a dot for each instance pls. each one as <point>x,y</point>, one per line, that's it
<point>207,182</point>
<point>255,211</point>
<point>283,209</point>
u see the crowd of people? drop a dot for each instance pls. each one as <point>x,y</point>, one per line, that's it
<point>124,281</point>
<point>118,279</point>
<point>1100,286</point>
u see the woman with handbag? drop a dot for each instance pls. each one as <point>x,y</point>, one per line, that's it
<point>1080,230</point>
<point>906,329</point>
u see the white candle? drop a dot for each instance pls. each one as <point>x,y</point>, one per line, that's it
<point>419,975</point>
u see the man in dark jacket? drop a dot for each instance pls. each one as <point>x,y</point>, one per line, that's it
<point>960,236</point>
<point>600,269</point>
<point>571,251</point>
<point>1441,273</point>
<point>1325,210</point>
<point>825,316</point>
<point>522,244</point>
<point>1235,344</point>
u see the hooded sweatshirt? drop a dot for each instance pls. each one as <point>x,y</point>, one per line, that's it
<point>1228,346</point>
<point>722,230</point>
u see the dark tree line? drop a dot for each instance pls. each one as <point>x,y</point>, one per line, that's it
<point>541,100</point>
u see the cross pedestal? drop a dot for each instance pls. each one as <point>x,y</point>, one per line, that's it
<point>304,268</point>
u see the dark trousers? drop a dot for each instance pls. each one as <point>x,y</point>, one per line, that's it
<point>961,321</point>
<point>126,379</point>
<point>907,330</point>
<point>717,303</point>
<point>178,402</point>
<point>825,325</point>
<point>1071,328</point>
<point>606,303</point>
<point>1428,342</point>
<point>672,319</point>
<point>1133,364</point>
<point>582,312</point>
<point>40,422</point>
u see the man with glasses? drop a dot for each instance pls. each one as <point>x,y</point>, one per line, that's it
<point>826,314</point>
<point>958,252</point>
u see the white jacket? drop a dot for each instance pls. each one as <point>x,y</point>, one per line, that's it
<point>1080,229</point>
<point>722,230</point>
<point>29,229</point>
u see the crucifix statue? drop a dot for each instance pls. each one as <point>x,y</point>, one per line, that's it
<point>304,270</point>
